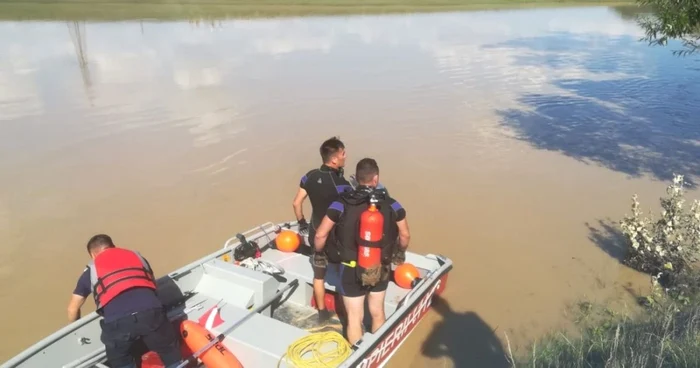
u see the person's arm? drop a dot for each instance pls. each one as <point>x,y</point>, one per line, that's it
<point>322,233</point>
<point>402,224</point>
<point>404,234</point>
<point>82,290</point>
<point>297,203</point>
<point>333,213</point>
<point>74,305</point>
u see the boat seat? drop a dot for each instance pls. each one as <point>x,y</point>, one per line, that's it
<point>236,285</point>
<point>299,266</point>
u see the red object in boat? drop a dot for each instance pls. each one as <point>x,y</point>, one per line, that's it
<point>329,299</point>
<point>217,318</point>
<point>371,231</point>
<point>152,360</point>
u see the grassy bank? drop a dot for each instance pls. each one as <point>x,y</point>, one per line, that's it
<point>663,338</point>
<point>116,10</point>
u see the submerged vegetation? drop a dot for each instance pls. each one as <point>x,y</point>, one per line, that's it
<point>668,332</point>
<point>106,10</point>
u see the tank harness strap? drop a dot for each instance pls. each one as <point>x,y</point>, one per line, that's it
<point>371,244</point>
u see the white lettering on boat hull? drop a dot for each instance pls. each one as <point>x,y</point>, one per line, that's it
<point>400,332</point>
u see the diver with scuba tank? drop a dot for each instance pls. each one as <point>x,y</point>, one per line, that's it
<point>365,230</point>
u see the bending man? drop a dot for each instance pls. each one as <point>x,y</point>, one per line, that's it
<point>124,289</point>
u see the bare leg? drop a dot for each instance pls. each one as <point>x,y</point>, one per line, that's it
<point>376,309</point>
<point>319,283</point>
<point>355,309</point>
<point>320,293</point>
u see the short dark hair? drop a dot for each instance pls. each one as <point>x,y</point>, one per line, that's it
<point>329,148</point>
<point>366,169</point>
<point>99,241</point>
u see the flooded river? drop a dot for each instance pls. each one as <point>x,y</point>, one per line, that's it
<point>513,139</point>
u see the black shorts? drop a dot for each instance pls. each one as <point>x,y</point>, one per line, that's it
<point>351,286</point>
<point>319,272</point>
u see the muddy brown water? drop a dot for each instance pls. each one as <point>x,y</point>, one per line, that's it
<point>510,137</point>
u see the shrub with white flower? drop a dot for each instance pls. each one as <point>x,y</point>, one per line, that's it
<point>669,246</point>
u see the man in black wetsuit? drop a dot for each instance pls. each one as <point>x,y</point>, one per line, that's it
<point>322,186</point>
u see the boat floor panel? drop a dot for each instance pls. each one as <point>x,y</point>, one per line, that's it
<point>306,318</point>
<point>261,341</point>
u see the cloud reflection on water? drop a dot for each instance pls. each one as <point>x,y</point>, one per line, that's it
<point>211,79</point>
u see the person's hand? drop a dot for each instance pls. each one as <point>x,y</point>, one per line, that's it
<point>399,257</point>
<point>303,227</point>
<point>320,259</point>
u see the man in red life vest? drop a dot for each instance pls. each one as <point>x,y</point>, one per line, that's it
<point>124,289</point>
<point>341,223</point>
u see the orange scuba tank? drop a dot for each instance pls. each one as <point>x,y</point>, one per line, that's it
<point>371,230</point>
<point>196,337</point>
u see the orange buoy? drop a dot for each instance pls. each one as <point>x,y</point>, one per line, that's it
<point>287,241</point>
<point>406,275</point>
<point>196,337</point>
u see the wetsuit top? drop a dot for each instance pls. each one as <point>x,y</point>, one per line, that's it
<point>323,185</point>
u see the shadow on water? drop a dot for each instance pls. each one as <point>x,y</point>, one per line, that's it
<point>618,103</point>
<point>608,237</point>
<point>464,338</point>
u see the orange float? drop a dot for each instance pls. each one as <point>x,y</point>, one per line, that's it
<point>287,241</point>
<point>195,337</point>
<point>406,275</point>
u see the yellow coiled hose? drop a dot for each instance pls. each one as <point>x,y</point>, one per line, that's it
<point>307,351</point>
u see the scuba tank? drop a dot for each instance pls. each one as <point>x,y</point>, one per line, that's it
<point>371,233</point>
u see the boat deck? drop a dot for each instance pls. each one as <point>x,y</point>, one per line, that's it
<point>263,339</point>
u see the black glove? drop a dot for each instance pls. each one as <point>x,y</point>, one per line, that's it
<point>303,227</point>
<point>320,259</point>
<point>399,257</point>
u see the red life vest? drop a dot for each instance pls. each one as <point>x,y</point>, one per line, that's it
<point>116,270</point>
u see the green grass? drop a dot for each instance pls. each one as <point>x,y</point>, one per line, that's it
<point>663,338</point>
<point>117,10</point>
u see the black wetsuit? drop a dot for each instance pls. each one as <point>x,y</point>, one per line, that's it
<point>323,185</point>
